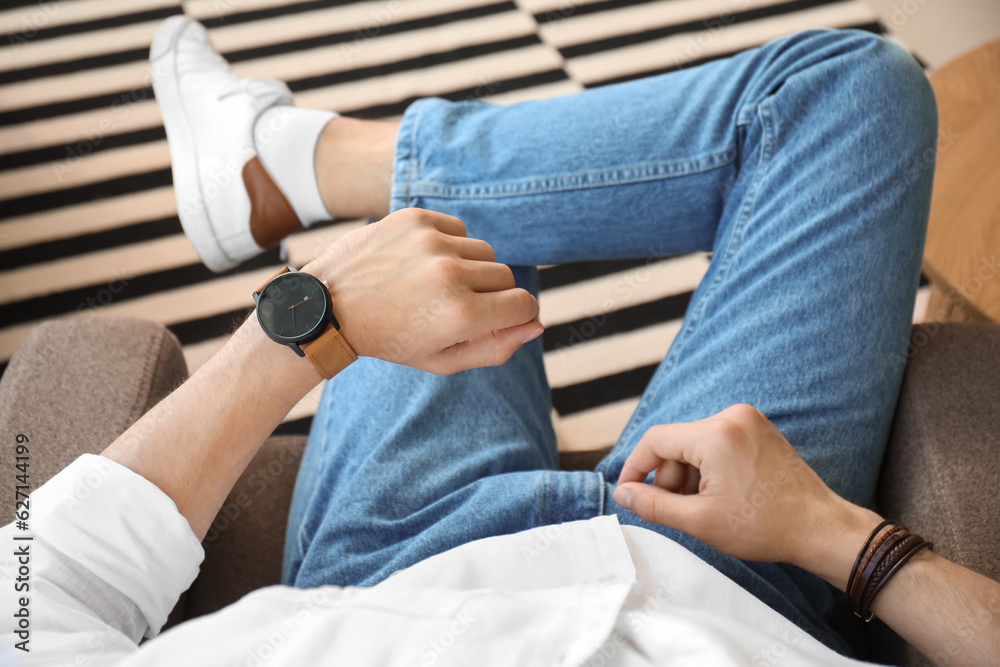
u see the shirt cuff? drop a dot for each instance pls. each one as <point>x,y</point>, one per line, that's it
<point>122,528</point>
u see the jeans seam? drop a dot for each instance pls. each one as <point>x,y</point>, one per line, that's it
<point>579,181</point>
<point>412,157</point>
<point>736,237</point>
<point>690,323</point>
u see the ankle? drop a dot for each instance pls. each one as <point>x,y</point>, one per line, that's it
<point>285,138</point>
<point>354,166</point>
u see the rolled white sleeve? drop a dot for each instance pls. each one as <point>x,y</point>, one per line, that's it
<point>109,557</point>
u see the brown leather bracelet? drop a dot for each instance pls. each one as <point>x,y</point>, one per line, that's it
<point>908,552</point>
<point>889,546</point>
<point>863,555</point>
<point>887,562</point>
<point>856,586</point>
<point>885,547</point>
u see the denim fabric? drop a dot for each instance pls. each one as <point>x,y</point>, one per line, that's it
<point>804,166</point>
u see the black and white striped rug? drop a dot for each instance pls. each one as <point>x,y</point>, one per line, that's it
<point>88,222</point>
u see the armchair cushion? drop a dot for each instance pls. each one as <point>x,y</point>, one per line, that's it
<point>942,465</point>
<point>73,386</point>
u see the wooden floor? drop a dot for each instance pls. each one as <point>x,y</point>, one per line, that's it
<point>88,221</point>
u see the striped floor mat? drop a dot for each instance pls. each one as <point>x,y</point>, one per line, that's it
<point>88,222</point>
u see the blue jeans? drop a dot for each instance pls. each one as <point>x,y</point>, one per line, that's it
<point>804,166</point>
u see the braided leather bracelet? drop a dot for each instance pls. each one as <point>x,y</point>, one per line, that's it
<point>881,532</point>
<point>887,548</point>
<point>873,588</point>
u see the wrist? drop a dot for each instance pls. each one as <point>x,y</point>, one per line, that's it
<point>830,548</point>
<point>330,267</point>
<point>256,361</point>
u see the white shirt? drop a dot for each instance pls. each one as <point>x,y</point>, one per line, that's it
<point>110,555</point>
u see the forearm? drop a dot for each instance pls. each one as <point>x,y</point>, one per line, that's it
<point>947,612</point>
<point>196,443</point>
<point>411,289</point>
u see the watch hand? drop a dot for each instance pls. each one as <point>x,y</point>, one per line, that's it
<point>299,303</point>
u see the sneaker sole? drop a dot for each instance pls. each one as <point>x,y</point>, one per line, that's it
<point>191,205</point>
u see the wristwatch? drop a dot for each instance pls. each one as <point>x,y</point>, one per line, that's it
<point>295,309</point>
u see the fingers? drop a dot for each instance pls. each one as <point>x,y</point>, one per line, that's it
<point>487,276</point>
<point>447,224</point>
<point>494,311</point>
<point>678,477</point>
<point>657,505</point>
<point>667,442</point>
<point>475,249</point>
<point>490,349</point>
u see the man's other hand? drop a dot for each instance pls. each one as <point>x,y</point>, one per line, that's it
<point>734,482</point>
<point>413,289</point>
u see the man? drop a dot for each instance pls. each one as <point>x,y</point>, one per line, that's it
<point>799,165</point>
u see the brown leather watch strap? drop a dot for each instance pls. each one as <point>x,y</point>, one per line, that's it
<point>329,353</point>
<point>260,289</point>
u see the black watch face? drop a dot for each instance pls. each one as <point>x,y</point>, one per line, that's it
<point>293,306</point>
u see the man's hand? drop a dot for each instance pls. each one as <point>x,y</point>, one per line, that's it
<point>414,290</point>
<point>735,483</point>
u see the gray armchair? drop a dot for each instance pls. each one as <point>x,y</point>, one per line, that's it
<point>74,385</point>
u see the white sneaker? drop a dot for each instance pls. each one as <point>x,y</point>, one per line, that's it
<point>224,194</point>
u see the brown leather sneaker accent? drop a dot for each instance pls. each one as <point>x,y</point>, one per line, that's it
<point>272,218</point>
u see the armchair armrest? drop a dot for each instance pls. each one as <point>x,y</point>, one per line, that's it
<point>942,464</point>
<point>73,386</point>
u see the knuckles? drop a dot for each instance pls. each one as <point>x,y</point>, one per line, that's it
<point>429,240</point>
<point>418,216</point>
<point>423,218</point>
<point>735,425</point>
<point>728,432</point>
<point>744,413</point>
<point>445,269</point>
<point>463,313</point>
